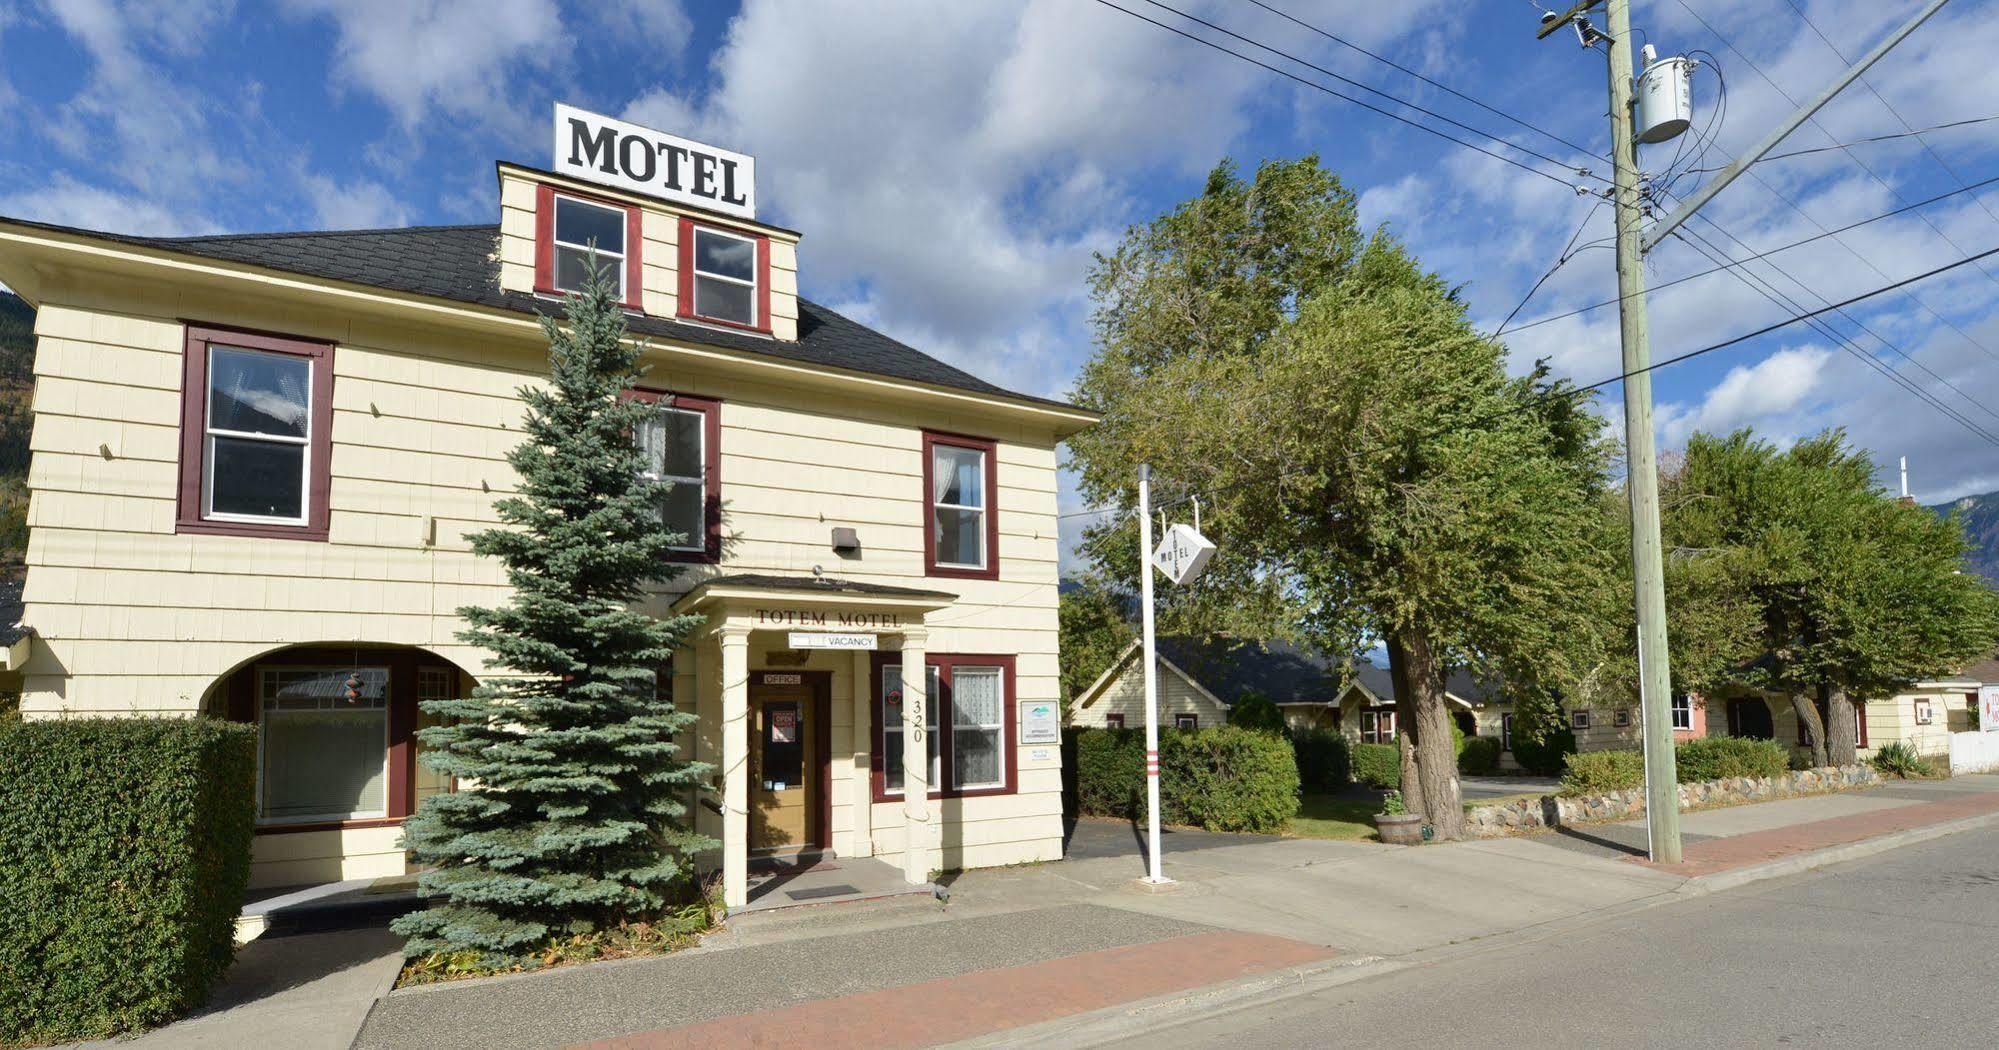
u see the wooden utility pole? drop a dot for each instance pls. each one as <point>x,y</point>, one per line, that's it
<point>1655,679</point>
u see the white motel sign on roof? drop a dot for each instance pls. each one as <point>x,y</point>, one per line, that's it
<point>1182,554</point>
<point>630,157</point>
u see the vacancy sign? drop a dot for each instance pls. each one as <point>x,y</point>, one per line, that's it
<point>1182,554</point>
<point>822,640</point>
<point>1988,708</point>
<point>630,157</point>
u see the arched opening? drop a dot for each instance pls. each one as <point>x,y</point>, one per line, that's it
<point>1749,717</point>
<point>336,741</point>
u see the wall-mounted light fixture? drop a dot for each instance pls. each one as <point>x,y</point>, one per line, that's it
<point>846,542</point>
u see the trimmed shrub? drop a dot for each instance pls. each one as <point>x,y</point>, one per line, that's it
<point>124,858</point>
<point>1228,779</point>
<point>1543,757</point>
<point>1479,757</point>
<point>1717,757</point>
<point>1324,763</point>
<point>1110,771</point>
<point>1378,766</point>
<point>1253,710</point>
<point>1602,772</point>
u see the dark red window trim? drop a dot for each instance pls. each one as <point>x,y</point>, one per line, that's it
<point>544,243</point>
<point>402,714</point>
<point>193,420</point>
<point>991,571</point>
<point>946,663</point>
<point>1186,720</point>
<point>711,455</point>
<point>1384,724</point>
<point>685,306</point>
<point>1114,721</point>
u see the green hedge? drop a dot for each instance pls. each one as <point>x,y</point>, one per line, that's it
<point>124,857</point>
<point>1715,757</point>
<point>1479,756</point>
<point>1223,779</point>
<point>1378,766</point>
<point>1324,763</point>
<point>1228,779</point>
<point>1543,757</point>
<point>1602,772</point>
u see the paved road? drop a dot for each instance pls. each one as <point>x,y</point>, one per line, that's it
<point>1891,950</point>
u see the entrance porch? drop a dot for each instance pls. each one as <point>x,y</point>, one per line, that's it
<point>782,679</point>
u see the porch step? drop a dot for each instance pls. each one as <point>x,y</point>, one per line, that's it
<point>350,905</point>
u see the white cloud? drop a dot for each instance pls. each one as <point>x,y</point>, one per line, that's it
<point>71,203</point>
<point>356,205</point>
<point>448,57</point>
<point>1768,391</point>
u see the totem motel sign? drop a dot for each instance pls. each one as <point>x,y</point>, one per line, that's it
<point>1182,555</point>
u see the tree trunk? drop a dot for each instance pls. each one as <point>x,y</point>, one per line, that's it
<point>1408,782</point>
<point>1840,745</point>
<point>1813,729</point>
<point>1423,720</point>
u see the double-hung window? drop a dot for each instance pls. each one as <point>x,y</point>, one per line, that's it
<point>1683,711</point>
<point>967,726</point>
<point>725,277</point>
<point>678,441</point>
<point>961,533</point>
<point>569,228</point>
<point>256,416</point>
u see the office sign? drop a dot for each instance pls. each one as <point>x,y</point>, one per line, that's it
<point>783,678</point>
<point>1182,554</point>
<point>818,640</point>
<point>1040,722</point>
<point>627,156</point>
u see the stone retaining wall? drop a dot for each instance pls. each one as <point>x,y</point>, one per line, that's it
<point>1531,814</point>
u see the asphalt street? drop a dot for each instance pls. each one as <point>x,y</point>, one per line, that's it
<point>1898,949</point>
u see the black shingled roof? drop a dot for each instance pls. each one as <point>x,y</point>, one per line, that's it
<point>1286,673</point>
<point>461,263</point>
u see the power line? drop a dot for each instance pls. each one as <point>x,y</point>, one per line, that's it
<point>1850,155</point>
<point>1842,341</point>
<point>1892,111</point>
<point>1398,100</point>
<point>1914,132</point>
<point>1287,74</point>
<point>1342,41</point>
<point>1552,396</point>
<point>1565,256</point>
<point>1765,254</point>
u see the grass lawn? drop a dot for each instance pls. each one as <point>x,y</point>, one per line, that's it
<point>1342,816</point>
<point>1350,815</point>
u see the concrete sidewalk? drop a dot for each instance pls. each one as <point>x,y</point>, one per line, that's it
<point>1062,952</point>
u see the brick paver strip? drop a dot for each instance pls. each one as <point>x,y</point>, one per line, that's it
<point>1756,847</point>
<point>954,1008</point>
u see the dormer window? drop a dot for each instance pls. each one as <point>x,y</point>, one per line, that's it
<point>724,276</point>
<point>568,227</point>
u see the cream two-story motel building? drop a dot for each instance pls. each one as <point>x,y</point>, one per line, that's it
<point>255,459</point>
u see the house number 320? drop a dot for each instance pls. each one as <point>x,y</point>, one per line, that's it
<point>913,711</point>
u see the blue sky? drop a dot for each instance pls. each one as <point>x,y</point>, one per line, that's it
<point>954,165</point>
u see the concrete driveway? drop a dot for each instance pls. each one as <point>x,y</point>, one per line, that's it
<point>1092,838</point>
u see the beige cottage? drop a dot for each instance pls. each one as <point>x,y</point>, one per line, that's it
<point>255,460</point>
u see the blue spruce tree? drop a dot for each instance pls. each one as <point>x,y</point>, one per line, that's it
<point>577,815</point>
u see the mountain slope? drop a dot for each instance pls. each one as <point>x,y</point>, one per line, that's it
<point>1981,527</point>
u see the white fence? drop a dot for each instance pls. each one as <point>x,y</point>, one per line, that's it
<point>1974,752</point>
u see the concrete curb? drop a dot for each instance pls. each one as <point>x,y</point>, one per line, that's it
<point>1809,860</point>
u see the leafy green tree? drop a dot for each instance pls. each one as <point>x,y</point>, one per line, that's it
<point>1853,593</point>
<point>578,819</point>
<point>1094,631</point>
<point>1253,710</point>
<point>1366,464</point>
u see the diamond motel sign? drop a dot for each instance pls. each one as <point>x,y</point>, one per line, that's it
<point>1182,554</point>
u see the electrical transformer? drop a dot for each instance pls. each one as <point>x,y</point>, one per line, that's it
<point>1665,98</point>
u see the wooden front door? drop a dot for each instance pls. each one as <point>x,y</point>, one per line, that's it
<point>786,780</point>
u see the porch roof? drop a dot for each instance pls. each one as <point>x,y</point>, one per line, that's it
<point>810,589</point>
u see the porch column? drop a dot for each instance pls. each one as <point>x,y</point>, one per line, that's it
<point>735,640</point>
<point>915,759</point>
<point>863,785</point>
